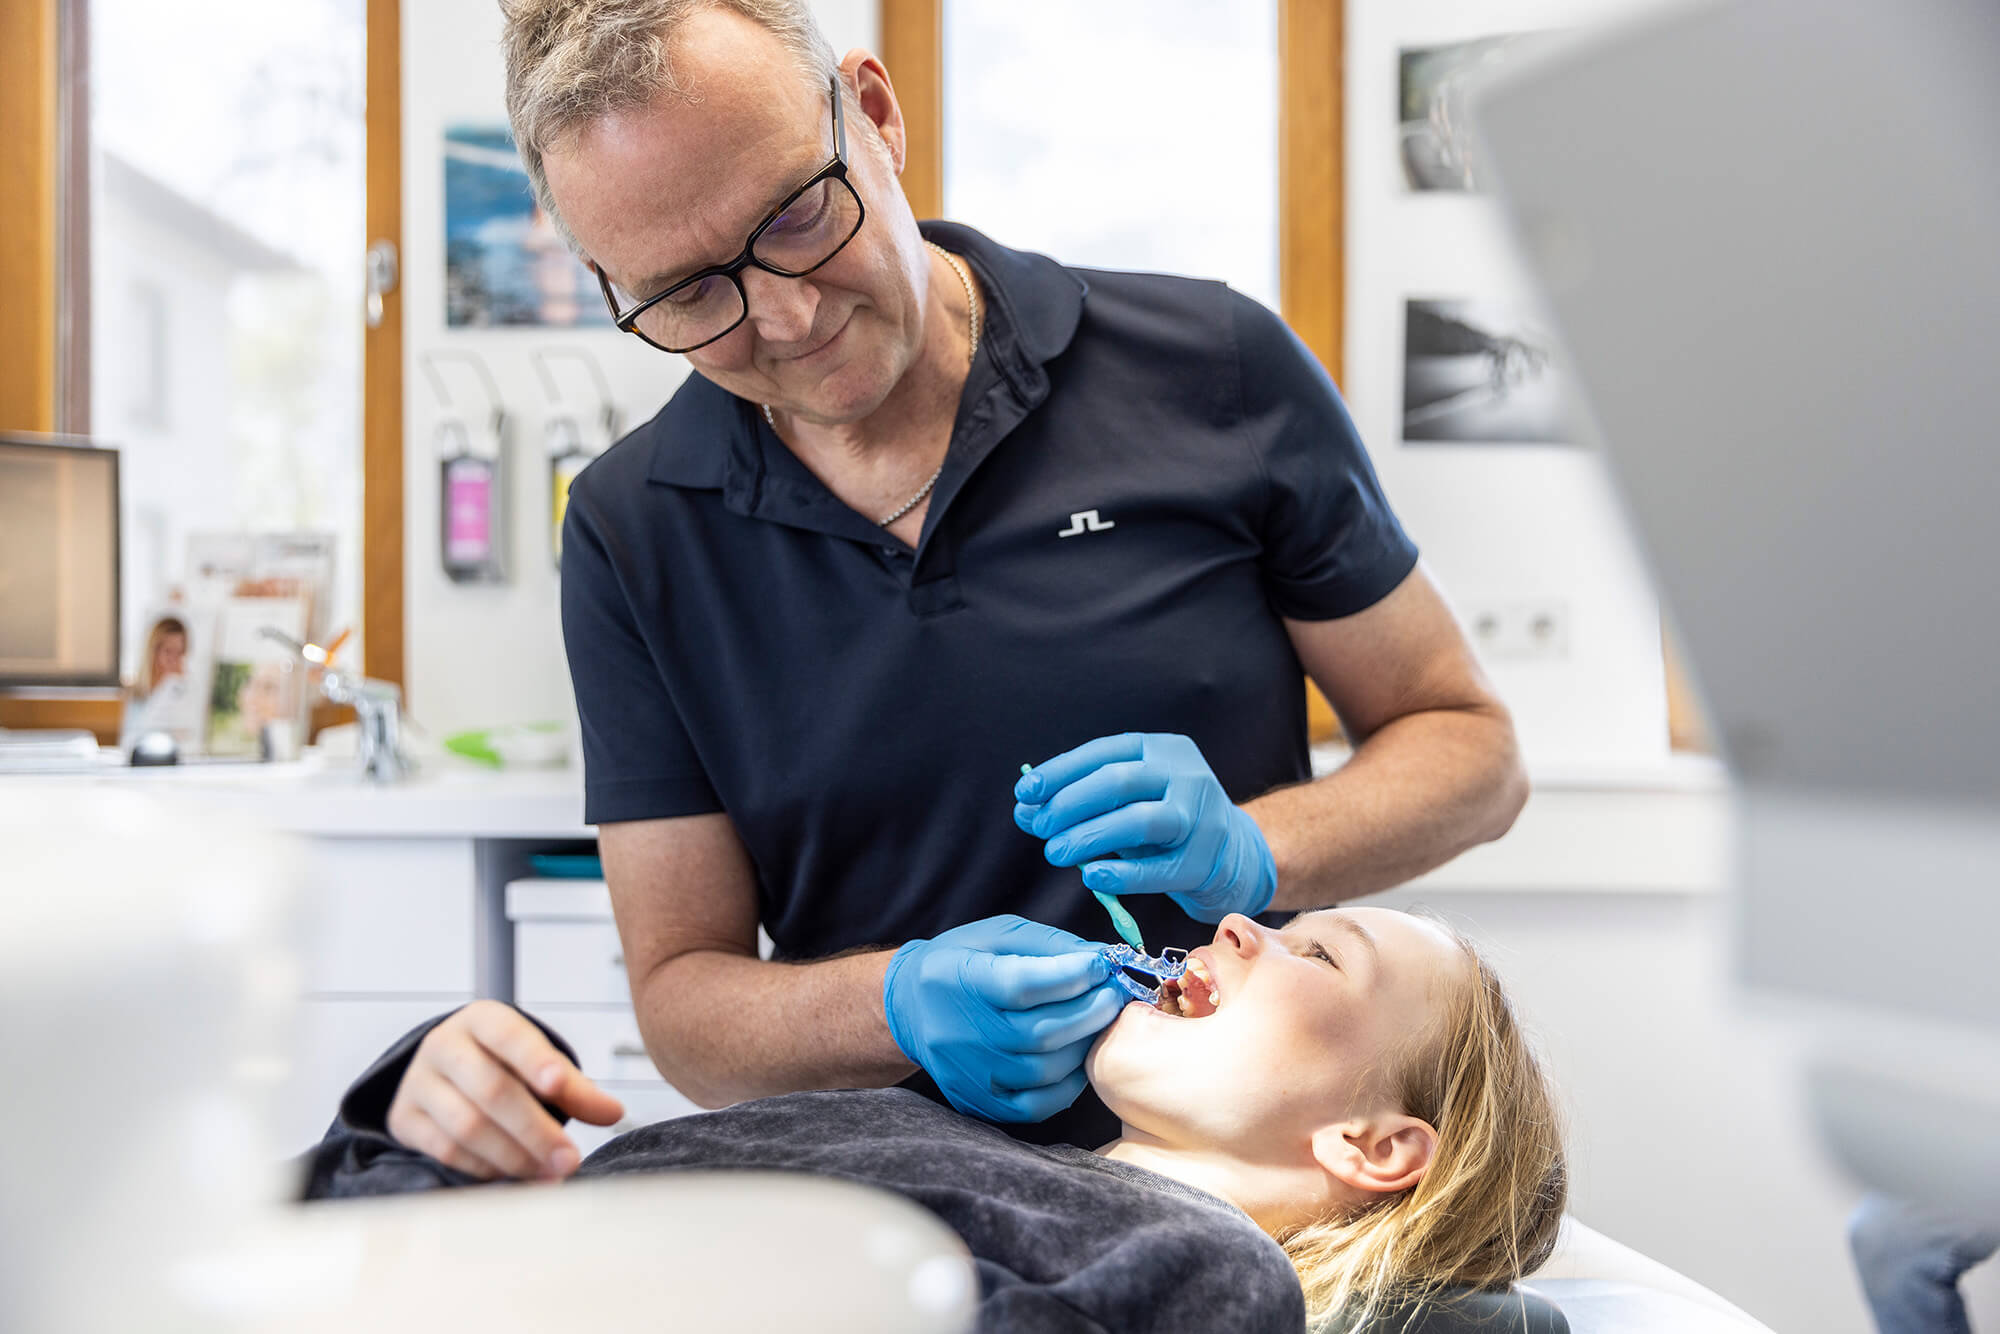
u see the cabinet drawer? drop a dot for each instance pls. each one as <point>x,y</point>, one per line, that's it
<point>569,963</point>
<point>607,1042</point>
<point>389,915</point>
<point>644,1104</point>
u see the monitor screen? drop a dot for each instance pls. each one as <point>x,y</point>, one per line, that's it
<point>58,563</point>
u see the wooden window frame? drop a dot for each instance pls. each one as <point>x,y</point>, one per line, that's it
<point>29,149</point>
<point>382,359</point>
<point>45,324</point>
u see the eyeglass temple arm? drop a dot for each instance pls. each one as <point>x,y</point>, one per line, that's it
<point>839,121</point>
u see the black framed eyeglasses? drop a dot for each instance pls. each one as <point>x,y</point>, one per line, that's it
<point>798,236</point>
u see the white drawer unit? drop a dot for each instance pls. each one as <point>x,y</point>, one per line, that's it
<point>607,1043</point>
<point>569,972</point>
<point>569,963</point>
<point>389,916</point>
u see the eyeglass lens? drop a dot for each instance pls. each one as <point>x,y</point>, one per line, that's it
<point>816,224</point>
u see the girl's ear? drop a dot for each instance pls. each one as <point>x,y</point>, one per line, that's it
<point>1377,1155</point>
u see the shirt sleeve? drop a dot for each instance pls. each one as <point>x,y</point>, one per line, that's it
<point>638,761</point>
<point>1332,545</point>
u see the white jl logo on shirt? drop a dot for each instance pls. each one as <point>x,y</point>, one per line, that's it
<point>1086,522</point>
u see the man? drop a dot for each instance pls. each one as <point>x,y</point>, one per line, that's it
<point>931,508</point>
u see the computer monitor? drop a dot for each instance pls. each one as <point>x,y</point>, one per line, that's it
<point>59,591</point>
<point>1766,231</point>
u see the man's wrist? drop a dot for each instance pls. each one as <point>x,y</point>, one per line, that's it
<point>905,1041</point>
<point>766,1028</point>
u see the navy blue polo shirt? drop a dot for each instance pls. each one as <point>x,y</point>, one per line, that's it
<point>1145,474</point>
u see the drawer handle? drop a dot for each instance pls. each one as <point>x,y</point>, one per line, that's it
<point>629,1051</point>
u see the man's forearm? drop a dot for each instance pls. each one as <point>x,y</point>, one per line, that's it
<point>1421,790</point>
<point>723,1027</point>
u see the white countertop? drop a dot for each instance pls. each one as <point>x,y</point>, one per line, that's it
<point>447,798</point>
<point>1666,828</point>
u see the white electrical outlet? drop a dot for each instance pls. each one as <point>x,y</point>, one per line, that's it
<point>1519,629</point>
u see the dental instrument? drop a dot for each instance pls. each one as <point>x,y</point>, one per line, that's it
<point>1128,930</point>
<point>1121,920</point>
<point>1166,967</point>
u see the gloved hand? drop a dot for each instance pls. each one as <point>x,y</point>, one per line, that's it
<point>1001,1013</point>
<point>1143,814</point>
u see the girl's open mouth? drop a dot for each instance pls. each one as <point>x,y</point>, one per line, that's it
<point>1193,995</point>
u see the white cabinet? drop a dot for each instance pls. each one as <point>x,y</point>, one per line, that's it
<point>559,962</point>
<point>388,940</point>
<point>569,972</point>
<point>389,916</point>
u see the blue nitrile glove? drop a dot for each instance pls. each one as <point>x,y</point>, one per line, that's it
<point>1001,1013</point>
<point>1143,814</point>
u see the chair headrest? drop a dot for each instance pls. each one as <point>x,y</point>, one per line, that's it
<point>1465,1311</point>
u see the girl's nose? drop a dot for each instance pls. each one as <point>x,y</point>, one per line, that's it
<point>1239,935</point>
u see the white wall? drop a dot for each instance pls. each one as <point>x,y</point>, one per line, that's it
<point>1690,1134</point>
<point>477,655</point>
<point>1498,524</point>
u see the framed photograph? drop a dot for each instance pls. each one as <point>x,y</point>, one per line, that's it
<point>1480,372</point>
<point>221,566</point>
<point>170,680</point>
<point>503,262</point>
<point>1436,151</point>
<point>255,680</point>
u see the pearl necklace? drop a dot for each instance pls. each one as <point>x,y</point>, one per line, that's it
<point>973,323</point>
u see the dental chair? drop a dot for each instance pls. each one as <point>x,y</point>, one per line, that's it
<point>1591,1285</point>
<point>143,989</point>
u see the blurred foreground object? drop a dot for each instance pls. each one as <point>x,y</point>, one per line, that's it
<point>1765,229</point>
<point>146,990</point>
<point>147,986</point>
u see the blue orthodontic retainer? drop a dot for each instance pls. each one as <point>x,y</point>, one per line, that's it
<point>1125,961</point>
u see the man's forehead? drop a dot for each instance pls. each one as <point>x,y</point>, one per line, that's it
<point>677,182</point>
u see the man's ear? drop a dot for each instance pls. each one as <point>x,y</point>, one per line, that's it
<point>864,75</point>
<point>1377,1155</point>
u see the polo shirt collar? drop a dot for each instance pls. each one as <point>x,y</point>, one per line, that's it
<point>708,436</point>
<point>1039,302</point>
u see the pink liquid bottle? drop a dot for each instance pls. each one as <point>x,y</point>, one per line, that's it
<point>471,497</point>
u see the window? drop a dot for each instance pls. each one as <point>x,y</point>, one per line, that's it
<point>226,232</point>
<point>144,320</point>
<point>1128,134</point>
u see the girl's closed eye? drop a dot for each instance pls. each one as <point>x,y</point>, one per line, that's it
<point>1321,951</point>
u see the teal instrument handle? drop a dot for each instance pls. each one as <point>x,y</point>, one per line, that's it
<point>1128,930</point>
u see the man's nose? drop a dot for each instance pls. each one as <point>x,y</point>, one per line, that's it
<point>781,309</point>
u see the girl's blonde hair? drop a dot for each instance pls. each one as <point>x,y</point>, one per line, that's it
<point>570,62</point>
<point>1488,1208</point>
<point>143,683</point>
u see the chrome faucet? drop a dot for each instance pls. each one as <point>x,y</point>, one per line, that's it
<point>378,710</point>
